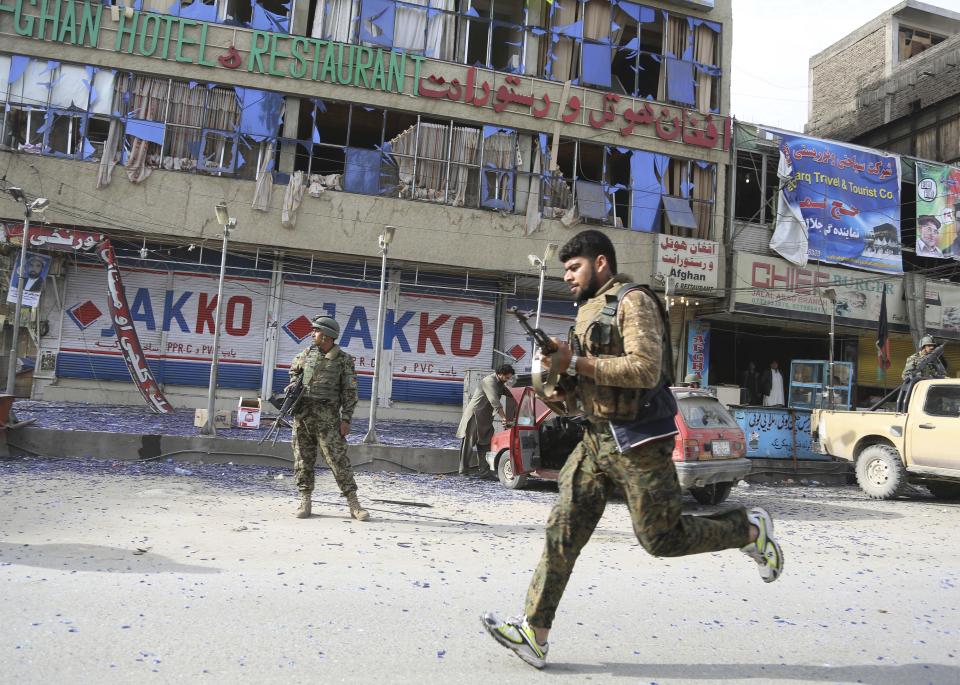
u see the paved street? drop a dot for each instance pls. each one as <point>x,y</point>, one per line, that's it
<point>118,573</point>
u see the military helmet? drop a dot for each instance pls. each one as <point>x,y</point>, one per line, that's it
<point>927,340</point>
<point>326,325</point>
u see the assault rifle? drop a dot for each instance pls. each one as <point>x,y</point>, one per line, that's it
<point>548,385</point>
<point>904,389</point>
<point>293,393</point>
<point>928,359</point>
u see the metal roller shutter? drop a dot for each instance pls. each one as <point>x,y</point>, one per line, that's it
<point>173,312</point>
<point>901,347</point>
<point>435,338</point>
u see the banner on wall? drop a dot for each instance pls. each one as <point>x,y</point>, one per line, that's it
<point>698,351</point>
<point>173,314</point>
<point>938,200</point>
<point>838,204</point>
<point>430,340</point>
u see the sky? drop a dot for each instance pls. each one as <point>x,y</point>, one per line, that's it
<point>773,41</point>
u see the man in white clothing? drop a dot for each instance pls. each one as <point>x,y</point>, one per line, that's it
<point>771,385</point>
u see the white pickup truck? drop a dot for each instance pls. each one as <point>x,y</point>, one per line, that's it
<point>919,443</point>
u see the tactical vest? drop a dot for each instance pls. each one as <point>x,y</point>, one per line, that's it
<point>597,334</point>
<point>322,375</point>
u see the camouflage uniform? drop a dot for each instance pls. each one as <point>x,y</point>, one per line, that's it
<point>934,370</point>
<point>329,397</point>
<point>595,469</point>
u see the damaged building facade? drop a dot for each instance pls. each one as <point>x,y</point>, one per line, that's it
<point>482,130</point>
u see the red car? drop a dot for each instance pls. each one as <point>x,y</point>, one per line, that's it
<point>708,451</point>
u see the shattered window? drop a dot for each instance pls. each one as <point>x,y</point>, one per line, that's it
<point>491,33</point>
<point>757,185</point>
<point>498,168</point>
<point>266,15</point>
<point>634,50</point>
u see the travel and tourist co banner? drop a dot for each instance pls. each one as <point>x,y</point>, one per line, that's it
<point>938,197</point>
<point>838,204</point>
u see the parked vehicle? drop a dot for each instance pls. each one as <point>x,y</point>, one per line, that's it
<point>917,443</point>
<point>708,451</point>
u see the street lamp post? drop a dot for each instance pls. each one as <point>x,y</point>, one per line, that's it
<point>831,295</point>
<point>541,264</point>
<point>385,239</point>
<point>227,223</point>
<point>29,208</point>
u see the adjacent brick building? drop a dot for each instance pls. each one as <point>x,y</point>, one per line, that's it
<point>892,84</point>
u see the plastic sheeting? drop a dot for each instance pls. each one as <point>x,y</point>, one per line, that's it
<point>361,171</point>
<point>29,81</point>
<point>376,22</point>
<point>261,112</point>
<point>596,64</point>
<point>646,181</point>
<point>680,81</point>
<point>679,212</point>
<point>592,200</point>
<point>151,131</point>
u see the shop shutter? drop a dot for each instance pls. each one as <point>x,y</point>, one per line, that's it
<point>435,338</point>
<point>175,331</point>
<point>901,347</point>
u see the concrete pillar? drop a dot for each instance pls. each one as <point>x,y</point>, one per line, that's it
<point>288,151</point>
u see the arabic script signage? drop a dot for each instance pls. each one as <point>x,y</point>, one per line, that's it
<point>121,321</point>
<point>847,198</point>
<point>190,41</point>
<point>690,264</point>
<point>698,351</point>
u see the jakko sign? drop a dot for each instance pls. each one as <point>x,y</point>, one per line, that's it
<point>429,340</point>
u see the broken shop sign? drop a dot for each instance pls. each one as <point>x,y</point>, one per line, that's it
<point>186,40</point>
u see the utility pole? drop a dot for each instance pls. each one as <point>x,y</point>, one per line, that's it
<point>36,206</point>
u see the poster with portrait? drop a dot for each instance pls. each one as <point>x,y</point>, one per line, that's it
<point>37,268</point>
<point>938,199</point>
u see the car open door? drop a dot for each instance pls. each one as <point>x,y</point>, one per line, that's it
<point>933,426</point>
<point>525,439</point>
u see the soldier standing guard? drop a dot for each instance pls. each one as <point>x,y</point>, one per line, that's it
<point>321,419</point>
<point>935,370</point>
<point>619,371</point>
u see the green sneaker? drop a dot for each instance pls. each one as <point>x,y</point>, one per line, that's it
<point>517,635</point>
<point>764,550</point>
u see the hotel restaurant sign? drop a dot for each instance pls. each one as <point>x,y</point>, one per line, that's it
<point>282,55</point>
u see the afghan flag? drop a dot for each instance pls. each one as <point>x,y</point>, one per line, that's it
<point>883,340</point>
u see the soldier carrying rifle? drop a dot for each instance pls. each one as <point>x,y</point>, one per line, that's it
<point>919,365</point>
<point>321,417</point>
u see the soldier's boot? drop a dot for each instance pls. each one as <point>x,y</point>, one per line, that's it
<point>304,511</point>
<point>356,511</point>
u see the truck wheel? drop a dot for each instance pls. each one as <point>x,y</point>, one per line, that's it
<point>507,477</point>
<point>880,472</point>
<point>714,493</point>
<point>944,490</point>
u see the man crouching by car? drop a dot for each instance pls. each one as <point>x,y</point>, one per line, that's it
<point>619,365</point>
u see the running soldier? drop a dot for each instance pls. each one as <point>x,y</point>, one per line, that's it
<point>618,368</point>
